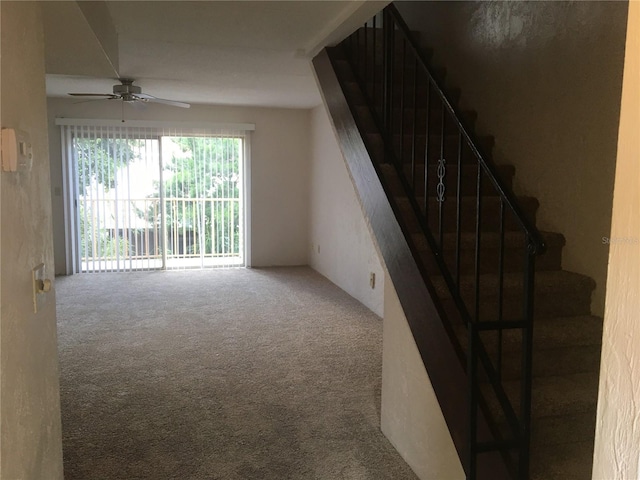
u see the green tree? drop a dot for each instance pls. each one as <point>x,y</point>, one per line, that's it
<point>206,169</point>
<point>99,159</point>
<point>99,243</point>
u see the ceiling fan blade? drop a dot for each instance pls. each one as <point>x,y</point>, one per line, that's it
<point>92,100</point>
<point>150,98</point>
<point>93,95</point>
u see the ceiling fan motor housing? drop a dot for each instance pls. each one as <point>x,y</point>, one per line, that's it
<point>127,90</point>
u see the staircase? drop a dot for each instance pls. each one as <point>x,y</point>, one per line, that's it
<point>522,347</point>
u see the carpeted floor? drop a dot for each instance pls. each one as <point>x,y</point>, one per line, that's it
<point>224,374</point>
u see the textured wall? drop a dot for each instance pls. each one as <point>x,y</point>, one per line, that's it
<point>30,443</point>
<point>545,79</point>
<point>279,170</point>
<point>411,416</point>
<point>617,452</point>
<point>341,246</point>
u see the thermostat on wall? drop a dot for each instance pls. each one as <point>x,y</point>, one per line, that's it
<point>16,150</point>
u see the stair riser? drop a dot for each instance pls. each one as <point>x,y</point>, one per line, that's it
<point>406,94</point>
<point>562,361</point>
<point>512,262</point>
<point>375,91</point>
<point>467,183</point>
<point>410,147</point>
<point>419,123</point>
<point>546,305</point>
<point>375,53</point>
<point>490,217</point>
<point>369,32</point>
<point>409,144</point>
<point>375,74</point>
<point>558,430</point>
<point>407,123</point>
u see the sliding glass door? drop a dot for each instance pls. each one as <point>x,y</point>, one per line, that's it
<point>147,200</point>
<point>202,185</point>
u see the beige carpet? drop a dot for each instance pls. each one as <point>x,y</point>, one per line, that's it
<point>223,374</point>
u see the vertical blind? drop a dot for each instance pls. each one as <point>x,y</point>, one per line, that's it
<point>146,197</point>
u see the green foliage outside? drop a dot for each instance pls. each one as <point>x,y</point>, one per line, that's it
<point>99,159</point>
<point>207,168</point>
<point>97,242</point>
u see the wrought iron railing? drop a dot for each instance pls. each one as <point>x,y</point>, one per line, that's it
<point>147,233</point>
<point>460,199</point>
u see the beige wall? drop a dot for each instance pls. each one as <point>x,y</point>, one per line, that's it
<point>30,441</point>
<point>340,245</point>
<point>545,79</point>
<point>411,416</point>
<point>279,170</point>
<point>617,447</point>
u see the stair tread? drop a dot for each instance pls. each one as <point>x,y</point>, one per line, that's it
<point>488,240</point>
<point>568,461</point>
<point>560,429</point>
<point>552,397</point>
<point>559,333</point>
<point>388,169</point>
<point>562,394</point>
<point>553,281</point>
<point>487,200</point>
<point>581,330</point>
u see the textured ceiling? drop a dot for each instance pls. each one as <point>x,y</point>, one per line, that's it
<point>213,52</point>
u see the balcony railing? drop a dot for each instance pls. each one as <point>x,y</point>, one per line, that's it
<point>150,233</point>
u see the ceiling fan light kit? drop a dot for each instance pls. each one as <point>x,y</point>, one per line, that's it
<point>130,93</point>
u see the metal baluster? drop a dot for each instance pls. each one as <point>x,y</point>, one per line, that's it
<point>351,53</point>
<point>390,72</point>
<point>527,344</point>
<point>472,374</point>
<point>426,153</point>
<point>386,45</point>
<point>358,52</point>
<point>415,126</point>
<point>402,75</point>
<point>442,171</point>
<point>500,286</point>
<point>478,234</point>
<point>458,208</point>
<point>366,71</point>
<point>375,73</point>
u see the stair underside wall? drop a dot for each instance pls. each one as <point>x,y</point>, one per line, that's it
<point>410,415</point>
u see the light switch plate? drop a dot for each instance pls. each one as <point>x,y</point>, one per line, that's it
<point>16,150</point>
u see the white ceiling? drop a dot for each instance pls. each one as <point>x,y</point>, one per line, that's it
<point>212,52</point>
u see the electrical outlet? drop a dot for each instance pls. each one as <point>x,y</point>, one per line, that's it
<point>372,280</point>
<point>40,284</point>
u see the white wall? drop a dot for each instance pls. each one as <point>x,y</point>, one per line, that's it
<point>617,445</point>
<point>341,246</point>
<point>30,431</point>
<point>411,416</point>
<point>279,170</point>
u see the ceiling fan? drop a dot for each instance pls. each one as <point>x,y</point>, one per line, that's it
<point>130,93</point>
